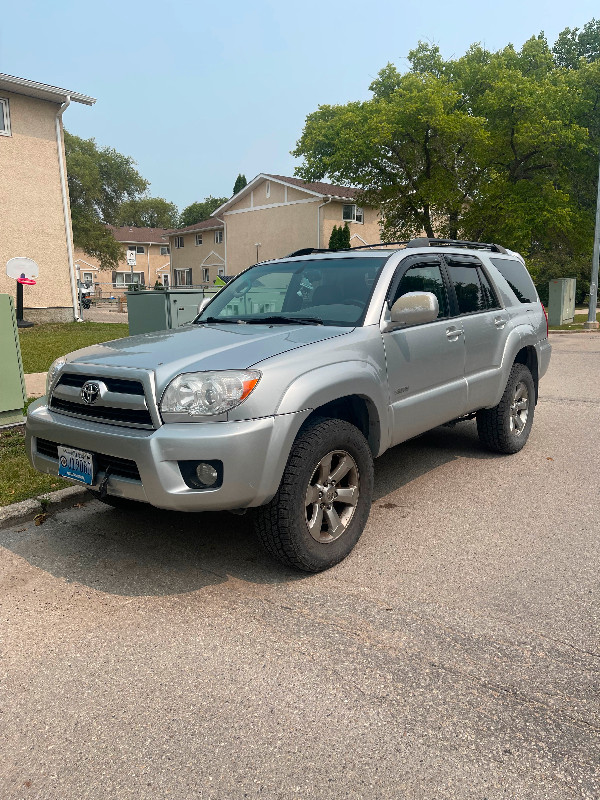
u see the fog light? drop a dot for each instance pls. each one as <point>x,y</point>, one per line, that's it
<point>207,474</point>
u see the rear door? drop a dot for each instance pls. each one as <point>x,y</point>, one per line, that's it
<point>425,363</point>
<point>485,322</point>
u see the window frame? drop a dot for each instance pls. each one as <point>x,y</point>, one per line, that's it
<point>357,211</point>
<point>179,242</point>
<point>470,260</point>
<point>424,259</point>
<point>219,237</point>
<point>205,275</point>
<point>178,285</point>
<point>5,112</point>
<point>198,240</point>
<point>128,275</point>
<point>140,250</point>
<point>166,249</point>
<point>221,272</point>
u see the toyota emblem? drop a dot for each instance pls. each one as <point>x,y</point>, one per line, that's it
<point>90,392</point>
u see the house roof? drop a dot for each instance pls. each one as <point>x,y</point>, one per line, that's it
<point>139,235</point>
<point>10,83</point>
<point>210,224</point>
<point>316,188</point>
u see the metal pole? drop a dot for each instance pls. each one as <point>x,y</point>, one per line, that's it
<point>591,323</point>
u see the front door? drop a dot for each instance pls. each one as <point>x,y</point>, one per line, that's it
<point>425,363</point>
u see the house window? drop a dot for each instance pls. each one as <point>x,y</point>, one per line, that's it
<point>87,277</point>
<point>205,275</point>
<point>198,239</point>
<point>4,118</point>
<point>165,279</point>
<point>268,188</point>
<point>352,213</point>
<point>125,278</point>
<point>178,242</point>
<point>164,250</point>
<point>140,249</point>
<point>218,237</point>
<point>221,272</point>
<point>183,277</point>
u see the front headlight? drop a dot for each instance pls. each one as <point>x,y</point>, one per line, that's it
<point>202,394</point>
<point>55,368</point>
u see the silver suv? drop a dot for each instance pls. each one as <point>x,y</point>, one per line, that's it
<point>292,380</point>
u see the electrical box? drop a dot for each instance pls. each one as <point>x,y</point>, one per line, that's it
<point>12,384</point>
<point>163,309</point>
<point>561,301</point>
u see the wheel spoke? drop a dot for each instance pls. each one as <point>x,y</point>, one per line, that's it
<point>521,405</point>
<point>334,523</point>
<point>347,495</point>
<point>519,424</point>
<point>314,524</point>
<point>342,469</point>
<point>325,469</point>
<point>312,495</point>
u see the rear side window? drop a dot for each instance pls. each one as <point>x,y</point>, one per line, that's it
<point>517,277</point>
<point>471,286</point>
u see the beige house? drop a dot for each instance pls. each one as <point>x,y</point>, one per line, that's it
<point>146,257</point>
<point>35,218</point>
<point>270,217</point>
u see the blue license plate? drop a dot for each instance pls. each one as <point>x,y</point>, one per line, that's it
<point>77,465</point>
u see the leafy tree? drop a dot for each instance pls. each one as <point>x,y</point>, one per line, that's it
<point>198,212</point>
<point>100,179</point>
<point>573,45</point>
<point>334,239</point>
<point>148,212</point>
<point>239,184</point>
<point>344,237</point>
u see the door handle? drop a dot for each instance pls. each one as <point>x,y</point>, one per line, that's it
<point>453,333</point>
<point>500,322</point>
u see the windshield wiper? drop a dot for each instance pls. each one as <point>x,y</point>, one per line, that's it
<point>211,320</point>
<point>283,320</point>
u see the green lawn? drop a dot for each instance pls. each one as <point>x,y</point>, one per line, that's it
<point>18,481</point>
<point>41,344</point>
<point>576,325</point>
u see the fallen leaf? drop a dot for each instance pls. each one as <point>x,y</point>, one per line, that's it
<point>549,459</point>
<point>40,519</point>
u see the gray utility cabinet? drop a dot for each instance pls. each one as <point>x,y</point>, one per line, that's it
<point>561,301</point>
<point>160,310</point>
<point>12,383</point>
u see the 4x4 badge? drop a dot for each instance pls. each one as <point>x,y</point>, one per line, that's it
<point>90,392</point>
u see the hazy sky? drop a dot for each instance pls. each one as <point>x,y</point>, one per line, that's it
<point>196,92</point>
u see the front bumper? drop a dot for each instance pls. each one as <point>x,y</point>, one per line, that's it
<point>254,453</point>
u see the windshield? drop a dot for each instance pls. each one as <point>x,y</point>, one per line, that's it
<point>332,291</point>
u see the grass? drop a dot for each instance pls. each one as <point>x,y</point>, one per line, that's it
<point>18,480</point>
<point>576,325</point>
<point>42,344</point>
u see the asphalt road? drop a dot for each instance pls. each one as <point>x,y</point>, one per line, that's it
<point>455,654</point>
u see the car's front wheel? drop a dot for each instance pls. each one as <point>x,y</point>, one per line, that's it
<point>324,498</point>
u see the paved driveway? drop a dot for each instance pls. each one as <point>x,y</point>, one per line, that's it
<point>453,655</point>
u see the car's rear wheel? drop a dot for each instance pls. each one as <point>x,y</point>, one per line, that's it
<point>506,427</point>
<point>324,498</point>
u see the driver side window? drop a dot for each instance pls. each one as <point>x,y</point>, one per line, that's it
<point>424,278</point>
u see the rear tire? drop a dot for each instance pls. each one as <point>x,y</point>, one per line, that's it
<point>324,499</point>
<point>506,427</point>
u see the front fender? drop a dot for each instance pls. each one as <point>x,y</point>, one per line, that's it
<point>331,382</point>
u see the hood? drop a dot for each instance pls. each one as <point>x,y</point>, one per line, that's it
<point>203,347</point>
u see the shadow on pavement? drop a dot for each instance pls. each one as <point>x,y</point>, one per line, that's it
<point>153,552</point>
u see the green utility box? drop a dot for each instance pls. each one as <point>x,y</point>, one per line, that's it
<point>12,383</point>
<point>561,301</point>
<point>162,309</point>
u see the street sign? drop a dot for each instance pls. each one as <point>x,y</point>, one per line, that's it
<point>131,258</point>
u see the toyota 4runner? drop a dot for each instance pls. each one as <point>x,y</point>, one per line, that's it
<point>292,379</point>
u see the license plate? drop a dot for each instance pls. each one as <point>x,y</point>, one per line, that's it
<point>76,465</point>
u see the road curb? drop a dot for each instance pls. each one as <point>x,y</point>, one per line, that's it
<point>568,333</point>
<point>46,503</point>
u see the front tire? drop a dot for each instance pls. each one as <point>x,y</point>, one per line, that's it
<point>324,499</point>
<point>506,427</point>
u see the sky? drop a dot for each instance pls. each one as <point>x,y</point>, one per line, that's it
<point>196,92</point>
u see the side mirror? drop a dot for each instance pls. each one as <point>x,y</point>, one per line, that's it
<point>202,305</point>
<point>414,308</point>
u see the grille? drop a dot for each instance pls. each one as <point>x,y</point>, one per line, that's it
<point>104,413</point>
<point>119,385</point>
<point>122,467</point>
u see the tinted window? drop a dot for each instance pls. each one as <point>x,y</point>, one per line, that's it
<point>426,278</point>
<point>468,289</point>
<point>336,291</point>
<point>517,277</point>
<point>487,292</point>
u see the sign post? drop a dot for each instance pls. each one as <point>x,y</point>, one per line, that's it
<point>23,270</point>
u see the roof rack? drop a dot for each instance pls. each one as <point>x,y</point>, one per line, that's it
<point>430,242</point>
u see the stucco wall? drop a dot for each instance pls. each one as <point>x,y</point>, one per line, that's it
<point>31,214</point>
<point>280,230</point>
<point>208,254</point>
<point>367,232</point>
